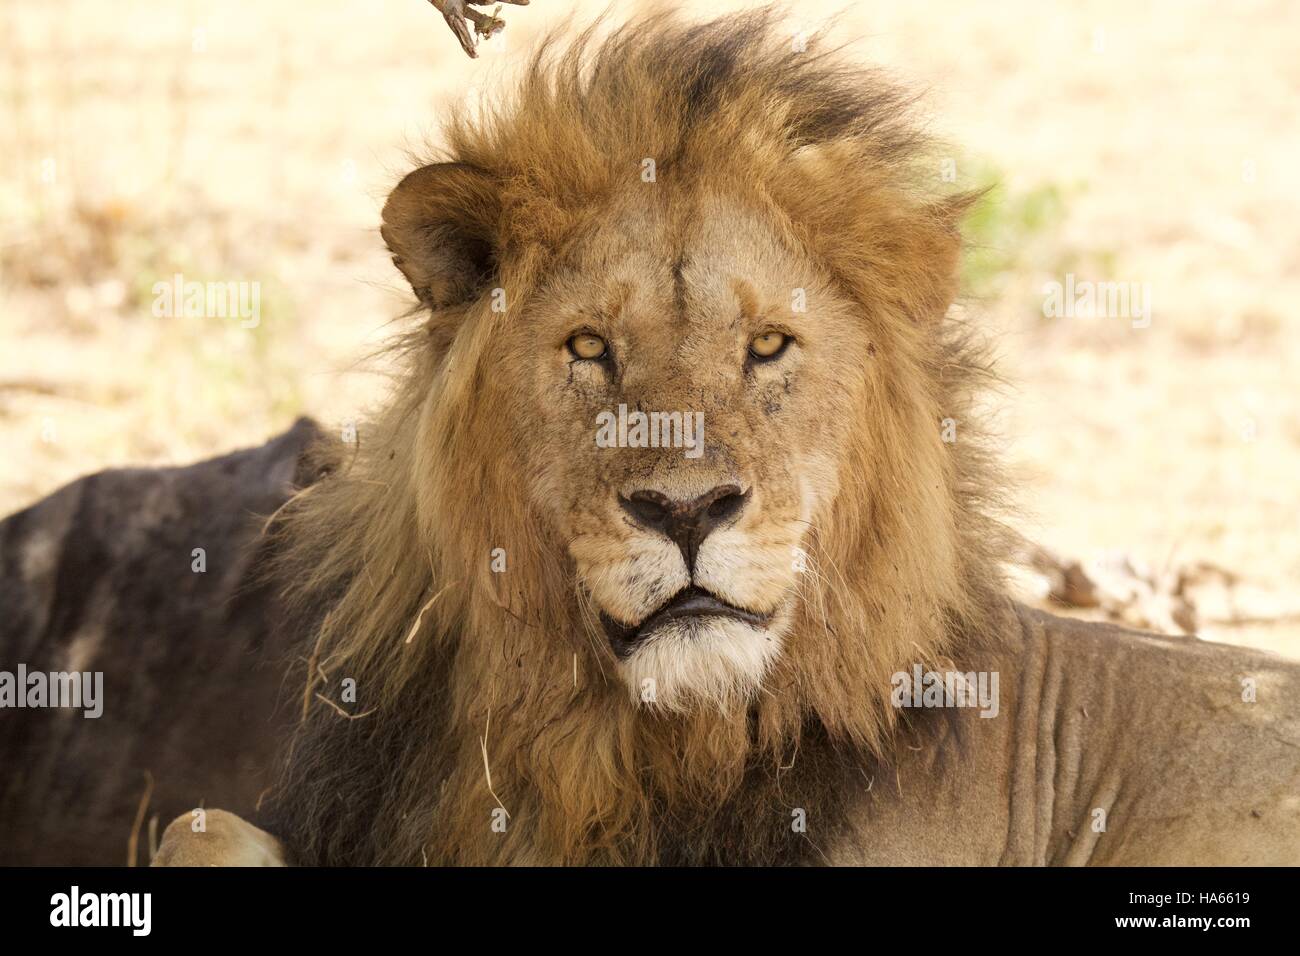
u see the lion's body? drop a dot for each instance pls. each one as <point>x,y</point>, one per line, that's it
<point>1147,737</point>
<point>567,652</point>
<point>1112,747</point>
<point>784,191</point>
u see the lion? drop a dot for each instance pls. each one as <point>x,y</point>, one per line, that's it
<point>764,621</point>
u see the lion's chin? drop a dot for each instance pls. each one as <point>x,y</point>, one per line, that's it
<point>703,662</point>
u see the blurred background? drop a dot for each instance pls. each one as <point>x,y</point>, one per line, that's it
<point>253,141</point>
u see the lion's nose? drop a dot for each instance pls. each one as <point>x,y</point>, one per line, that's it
<point>686,523</point>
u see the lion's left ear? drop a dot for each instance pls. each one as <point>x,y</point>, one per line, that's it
<point>440,223</point>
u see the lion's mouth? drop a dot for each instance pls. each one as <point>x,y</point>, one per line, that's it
<point>690,602</point>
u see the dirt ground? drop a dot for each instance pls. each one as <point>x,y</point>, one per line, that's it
<point>232,140</point>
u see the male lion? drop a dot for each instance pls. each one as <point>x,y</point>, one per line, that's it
<point>692,647</point>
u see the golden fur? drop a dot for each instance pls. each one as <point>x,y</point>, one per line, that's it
<point>508,674</point>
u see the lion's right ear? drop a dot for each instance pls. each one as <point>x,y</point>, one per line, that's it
<point>440,224</point>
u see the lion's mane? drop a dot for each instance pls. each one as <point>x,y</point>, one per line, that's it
<point>481,692</point>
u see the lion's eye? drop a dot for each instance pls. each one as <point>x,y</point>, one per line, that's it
<point>768,345</point>
<point>587,346</point>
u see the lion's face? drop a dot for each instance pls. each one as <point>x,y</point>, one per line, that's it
<point>684,385</point>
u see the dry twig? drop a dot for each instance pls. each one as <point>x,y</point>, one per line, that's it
<point>133,844</point>
<point>459,14</point>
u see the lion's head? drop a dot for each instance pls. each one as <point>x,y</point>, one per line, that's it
<point>665,484</point>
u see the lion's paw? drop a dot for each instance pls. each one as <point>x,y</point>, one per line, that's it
<point>217,838</point>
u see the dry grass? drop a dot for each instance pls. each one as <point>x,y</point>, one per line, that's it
<point>236,140</point>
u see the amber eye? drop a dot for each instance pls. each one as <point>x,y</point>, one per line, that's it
<point>584,345</point>
<point>767,345</point>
